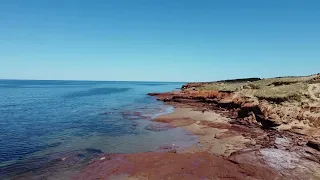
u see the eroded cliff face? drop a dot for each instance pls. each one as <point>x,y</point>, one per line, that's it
<point>250,111</point>
<point>269,106</point>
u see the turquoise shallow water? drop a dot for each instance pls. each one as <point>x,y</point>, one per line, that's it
<point>45,123</point>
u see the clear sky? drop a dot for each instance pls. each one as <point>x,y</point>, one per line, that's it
<point>158,40</point>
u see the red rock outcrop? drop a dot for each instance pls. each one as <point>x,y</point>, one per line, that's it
<point>211,100</point>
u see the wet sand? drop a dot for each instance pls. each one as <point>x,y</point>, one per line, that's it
<point>215,134</point>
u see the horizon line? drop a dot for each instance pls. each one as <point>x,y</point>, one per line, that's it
<point>5,79</point>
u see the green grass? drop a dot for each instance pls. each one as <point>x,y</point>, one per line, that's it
<point>271,89</point>
<point>282,93</point>
<point>223,86</point>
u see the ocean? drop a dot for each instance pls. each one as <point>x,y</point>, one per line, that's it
<point>52,129</point>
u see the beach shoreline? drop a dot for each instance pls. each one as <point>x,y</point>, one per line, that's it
<point>254,150</point>
<point>215,145</point>
<point>209,157</point>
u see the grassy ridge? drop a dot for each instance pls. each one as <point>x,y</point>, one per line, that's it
<point>272,89</point>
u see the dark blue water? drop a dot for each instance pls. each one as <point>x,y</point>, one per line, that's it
<point>42,121</point>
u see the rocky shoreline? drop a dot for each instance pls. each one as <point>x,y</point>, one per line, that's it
<point>237,139</point>
<point>292,153</point>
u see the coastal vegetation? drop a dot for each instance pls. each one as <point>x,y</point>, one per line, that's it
<point>279,89</point>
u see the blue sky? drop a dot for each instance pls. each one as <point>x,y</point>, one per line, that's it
<point>158,40</point>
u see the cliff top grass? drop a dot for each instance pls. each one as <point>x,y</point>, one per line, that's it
<point>278,89</point>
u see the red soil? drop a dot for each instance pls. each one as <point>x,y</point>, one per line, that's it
<point>164,165</point>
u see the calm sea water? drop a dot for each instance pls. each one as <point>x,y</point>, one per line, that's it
<point>50,129</point>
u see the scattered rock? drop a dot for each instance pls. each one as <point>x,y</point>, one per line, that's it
<point>314,144</point>
<point>253,142</point>
<point>173,151</point>
<point>297,127</point>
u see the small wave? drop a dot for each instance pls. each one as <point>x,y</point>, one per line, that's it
<point>96,91</point>
<point>9,105</point>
